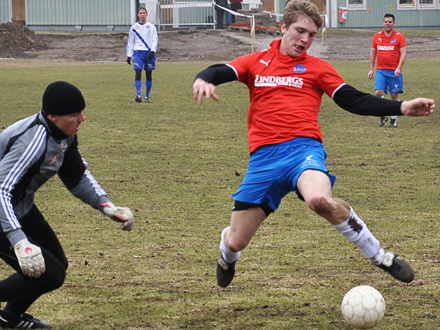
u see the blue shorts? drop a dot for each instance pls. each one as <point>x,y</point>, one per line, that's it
<point>273,170</point>
<point>141,61</point>
<point>385,80</point>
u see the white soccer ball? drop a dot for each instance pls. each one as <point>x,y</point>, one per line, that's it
<point>363,307</point>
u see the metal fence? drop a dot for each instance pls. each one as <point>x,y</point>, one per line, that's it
<point>184,13</point>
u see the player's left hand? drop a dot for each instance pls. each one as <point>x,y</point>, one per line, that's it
<point>129,60</point>
<point>151,55</point>
<point>418,107</point>
<point>119,214</point>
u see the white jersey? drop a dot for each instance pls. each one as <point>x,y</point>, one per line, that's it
<point>147,32</point>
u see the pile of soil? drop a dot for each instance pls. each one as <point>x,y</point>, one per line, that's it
<point>17,41</point>
<point>177,45</point>
<point>187,45</point>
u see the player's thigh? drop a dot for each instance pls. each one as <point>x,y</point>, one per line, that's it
<point>380,82</point>
<point>39,232</point>
<point>138,60</point>
<point>314,184</point>
<point>150,65</point>
<point>396,84</point>
<point>7,253</point>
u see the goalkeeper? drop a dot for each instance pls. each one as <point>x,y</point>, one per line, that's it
<point>31,152</point>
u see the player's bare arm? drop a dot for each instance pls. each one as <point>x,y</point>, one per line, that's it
<point>398,70</point>
<point>418,107</point>
<point>372,61</point>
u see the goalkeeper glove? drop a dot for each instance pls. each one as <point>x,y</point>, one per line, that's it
<point>129,60</point>
<point>119,214</point>
<point>30,258</point>
<point>151,55</point>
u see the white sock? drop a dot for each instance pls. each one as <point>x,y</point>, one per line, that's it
<point>378,258</point>
<point>357,232</point>
<point>227,254</point>
<point>395,117</point>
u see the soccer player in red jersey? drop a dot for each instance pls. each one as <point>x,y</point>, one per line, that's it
<point>389,46</point>
<point>285,142</point>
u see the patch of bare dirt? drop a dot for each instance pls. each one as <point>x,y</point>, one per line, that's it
<point>18,41</point>
<point>185,45</point>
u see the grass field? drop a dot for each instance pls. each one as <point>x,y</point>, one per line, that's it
<point>176,164</point>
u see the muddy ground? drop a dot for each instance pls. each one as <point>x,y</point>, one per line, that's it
<point>17,42</point>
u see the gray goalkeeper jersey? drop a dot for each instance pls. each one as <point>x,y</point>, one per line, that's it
<point>31,152</point>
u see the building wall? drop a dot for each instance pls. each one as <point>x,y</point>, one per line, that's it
<point>369,13</point>
<point>5,11</point>
<point>116,15</point>
<point>79,13</point>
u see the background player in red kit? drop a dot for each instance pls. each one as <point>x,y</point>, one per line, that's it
<point>389,46</point>
<point>285,142</point>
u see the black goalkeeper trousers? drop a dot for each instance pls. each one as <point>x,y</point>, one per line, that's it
<point>20,291</point>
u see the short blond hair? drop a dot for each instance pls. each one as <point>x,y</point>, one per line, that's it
<point>295,9</point>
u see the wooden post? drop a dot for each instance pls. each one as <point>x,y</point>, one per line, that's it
<point>323,32</point>
<point>252,33</point>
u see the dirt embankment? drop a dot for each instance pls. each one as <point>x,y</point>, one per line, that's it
<point>185,45</point>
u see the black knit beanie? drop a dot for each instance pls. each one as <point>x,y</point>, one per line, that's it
<point>62,98</point>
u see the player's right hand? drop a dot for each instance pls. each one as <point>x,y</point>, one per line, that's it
<point>202,88</point>
<point>30,258</point>
<point>129,60</point>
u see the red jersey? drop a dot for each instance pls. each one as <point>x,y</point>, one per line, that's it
<point>285,94</point>
<point>388,49</point>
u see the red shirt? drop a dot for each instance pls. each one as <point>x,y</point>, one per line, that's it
<point>388,49</point>
<point>285,94</point>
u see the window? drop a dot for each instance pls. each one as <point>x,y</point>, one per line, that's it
<point>356,4</point>
<point>428,4</point>
<point>417,5</point>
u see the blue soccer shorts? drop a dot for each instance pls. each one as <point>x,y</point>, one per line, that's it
<point>141,61</point>
<point>273,170</point>
<point>385,80</point>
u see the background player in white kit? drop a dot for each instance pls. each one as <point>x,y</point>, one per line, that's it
<point>142,47</point>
